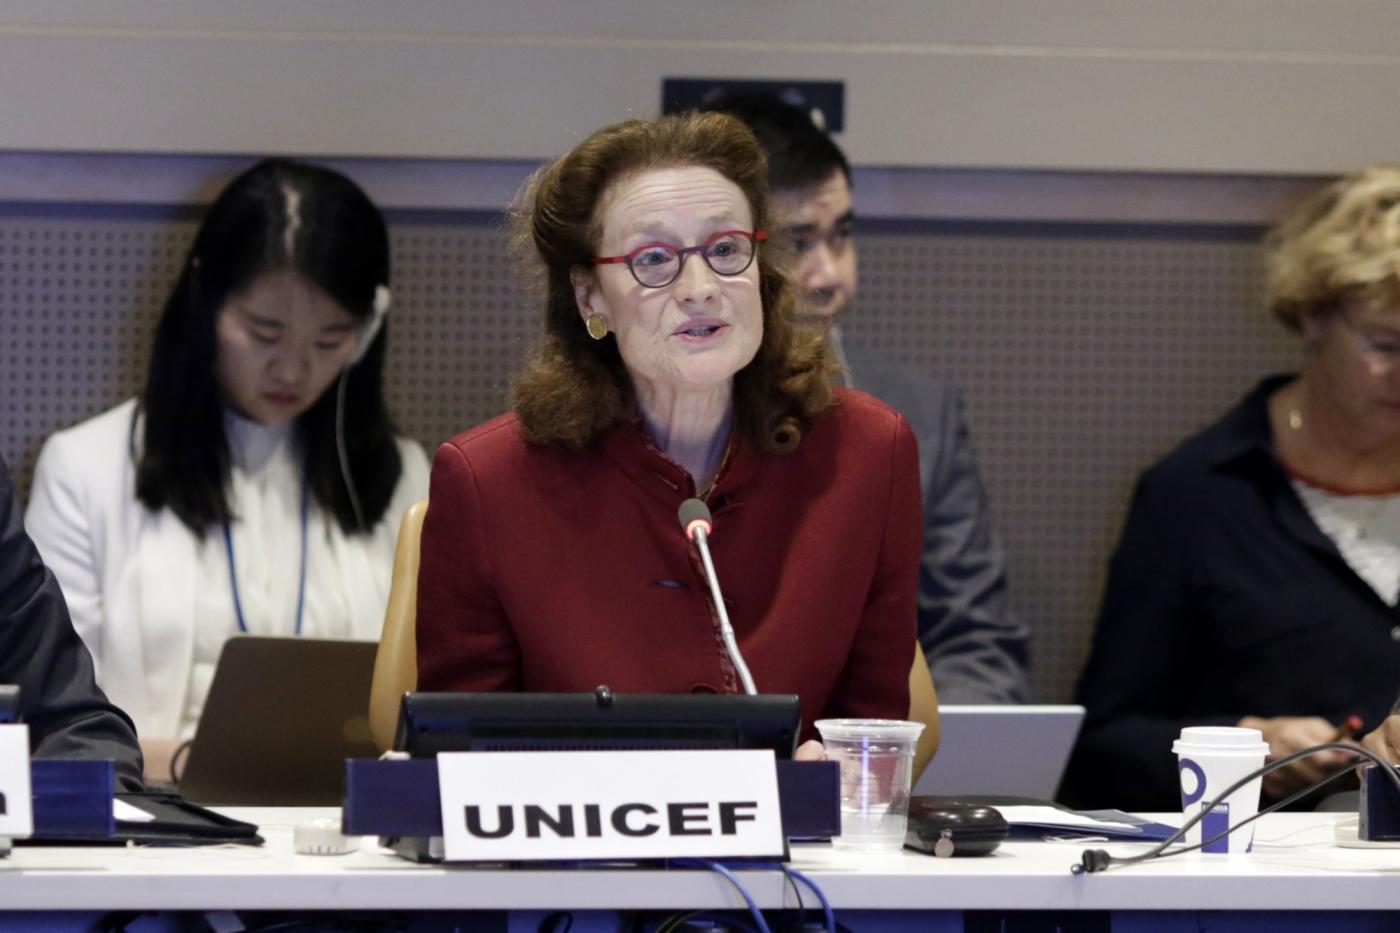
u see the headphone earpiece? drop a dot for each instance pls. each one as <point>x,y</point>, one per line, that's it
<point>382,301</point>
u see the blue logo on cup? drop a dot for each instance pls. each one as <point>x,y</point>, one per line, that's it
<point>1215,829</point>
<point>1188,798</point>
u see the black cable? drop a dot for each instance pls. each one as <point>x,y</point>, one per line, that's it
<point>1096,860</point>
<point>177,761</point>
<point>792,876</point>
<point>797,894</point>
<point>828,915</point>
<point>551,922</point>
<point>728,874</point>
<point>1272,808</point>
<point>729,921</point>
<point>671,922</point>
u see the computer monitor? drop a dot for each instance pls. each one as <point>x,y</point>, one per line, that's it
<point>439,722</point>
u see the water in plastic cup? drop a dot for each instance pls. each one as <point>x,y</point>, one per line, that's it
<point>876,757</point>
<point>1210,759</point>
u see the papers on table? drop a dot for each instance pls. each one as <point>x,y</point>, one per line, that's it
<point>125,811</point>
<point>1040,821</point>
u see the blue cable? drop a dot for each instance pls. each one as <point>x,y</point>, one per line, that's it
<point>821,895</point>
<point>827,912</point>
<point>733,879</point>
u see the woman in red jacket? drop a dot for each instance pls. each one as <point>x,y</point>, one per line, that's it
<point>668,368</point>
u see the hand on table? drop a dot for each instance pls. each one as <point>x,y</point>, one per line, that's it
<point>810,750</point>
<point>1289,734</point>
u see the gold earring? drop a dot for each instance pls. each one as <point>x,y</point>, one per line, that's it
<point>596,326</point>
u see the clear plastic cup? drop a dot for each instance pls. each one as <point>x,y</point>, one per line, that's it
<point>876,757</point>
<point>1210,759</point>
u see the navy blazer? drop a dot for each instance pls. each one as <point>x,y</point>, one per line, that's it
<point>977,649</point>
<point>68,715</point>
<point>1224,599</point>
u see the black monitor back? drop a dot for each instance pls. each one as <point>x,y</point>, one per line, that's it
<point>440,722</point>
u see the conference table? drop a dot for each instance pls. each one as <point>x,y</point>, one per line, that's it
<point>1296,878</point>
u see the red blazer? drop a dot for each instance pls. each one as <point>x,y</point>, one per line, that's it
<point>545,569</point>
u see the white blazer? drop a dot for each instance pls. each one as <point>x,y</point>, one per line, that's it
<point>131,575</point>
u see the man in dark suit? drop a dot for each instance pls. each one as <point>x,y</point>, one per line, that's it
<point>976,648</point>
<point>68,715</point>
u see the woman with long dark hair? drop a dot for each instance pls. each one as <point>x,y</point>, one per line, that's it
<point>256,484</point>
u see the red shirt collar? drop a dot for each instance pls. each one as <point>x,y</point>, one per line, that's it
<point>632,449</point>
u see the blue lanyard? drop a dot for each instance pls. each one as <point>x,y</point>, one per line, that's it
<point>301,585</point>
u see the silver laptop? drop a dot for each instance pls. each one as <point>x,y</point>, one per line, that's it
<point>1017,751</point>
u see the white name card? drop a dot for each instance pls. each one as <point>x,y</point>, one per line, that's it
<point>16,805</point>
<point>508,806</point>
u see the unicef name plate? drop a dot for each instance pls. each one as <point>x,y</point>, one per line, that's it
<point>522,806</point>
<point>16,804</point>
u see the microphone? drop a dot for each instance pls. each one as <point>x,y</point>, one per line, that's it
<point>697,525</point>
<point>695,519</point>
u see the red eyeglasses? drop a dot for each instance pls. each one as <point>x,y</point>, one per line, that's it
<point>657,265</point>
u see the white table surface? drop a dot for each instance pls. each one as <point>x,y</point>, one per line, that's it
<point>1295,865</point>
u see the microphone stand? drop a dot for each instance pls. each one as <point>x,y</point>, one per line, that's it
<point>697,524</point>
<point>726,630</point>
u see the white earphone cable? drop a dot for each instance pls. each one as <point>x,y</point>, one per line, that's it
<point>340,447</point>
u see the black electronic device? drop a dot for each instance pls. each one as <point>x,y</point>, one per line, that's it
<point>944,827</point>
<point>9,713</point>
<point>450,722</point>
<point>829,97</point>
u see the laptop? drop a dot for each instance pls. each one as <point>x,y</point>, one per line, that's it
<point>1014,751</point>
<point>282,716</point>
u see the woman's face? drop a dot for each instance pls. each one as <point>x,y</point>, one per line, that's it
<point>697,332</point>
<point>1356,361</point>
<point>282,341</point>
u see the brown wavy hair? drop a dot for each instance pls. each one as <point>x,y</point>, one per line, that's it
<point>573,388</point>
<point>1340,245</point>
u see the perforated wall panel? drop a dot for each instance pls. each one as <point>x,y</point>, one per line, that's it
<point>1083,355</point>
<point>79,298</point>
<point>461,326</point>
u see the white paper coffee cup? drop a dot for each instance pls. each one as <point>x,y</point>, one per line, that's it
<point>1210,759</point>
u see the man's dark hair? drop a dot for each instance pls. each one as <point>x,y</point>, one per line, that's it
<point>800,153</point>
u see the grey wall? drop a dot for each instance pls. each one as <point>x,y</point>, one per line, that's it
<point>1243,86</point>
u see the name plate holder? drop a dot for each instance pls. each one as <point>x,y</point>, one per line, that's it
<point>1379,806</point>
<point>73,799</point>
<point>400,800</point>
<point>16,801</point>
